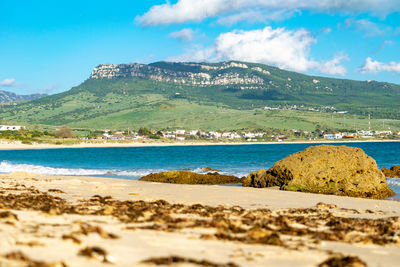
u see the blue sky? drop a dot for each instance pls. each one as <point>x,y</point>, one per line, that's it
<point>50,46</point>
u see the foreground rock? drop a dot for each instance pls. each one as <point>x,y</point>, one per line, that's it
<point>183,177</point>
<point>393,172</point>
<point>324,169</point>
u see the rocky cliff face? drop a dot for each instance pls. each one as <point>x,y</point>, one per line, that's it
<point>195,74</point>
<point>6,97</point>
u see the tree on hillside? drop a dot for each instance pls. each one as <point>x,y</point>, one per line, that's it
<point>144,131</point>
<point>65,132</point>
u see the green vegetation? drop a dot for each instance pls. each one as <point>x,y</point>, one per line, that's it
<point>26,136</point>
<point>184,177</point>
<point>121,103</point>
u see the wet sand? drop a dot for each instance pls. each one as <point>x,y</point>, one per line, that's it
<point>85,221</point>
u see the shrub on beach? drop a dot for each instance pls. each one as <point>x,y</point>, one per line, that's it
<point>65,132</point>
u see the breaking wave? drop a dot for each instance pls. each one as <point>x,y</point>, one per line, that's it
<point>7,167</point>
<point>393,182</point>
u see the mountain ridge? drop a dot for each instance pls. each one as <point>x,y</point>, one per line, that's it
<point>7,96</point>
<point>170,94</point>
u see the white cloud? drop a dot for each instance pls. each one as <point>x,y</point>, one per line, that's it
<point>279,47</point>
<point>198,10</point>
<point>9,82</point>
<point>370,28</point>
<point>253,16</point>
<point>333,66</point>
<point>376,66</point>
<point>326,30</point>
<point>183,35</point>
<point>250,16</point>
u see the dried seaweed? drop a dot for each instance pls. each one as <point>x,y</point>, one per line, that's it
<point>287,227</point>
<point>170,260</point>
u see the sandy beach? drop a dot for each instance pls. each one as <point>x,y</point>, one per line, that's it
<point>4,145</point>
<point>91,221</point>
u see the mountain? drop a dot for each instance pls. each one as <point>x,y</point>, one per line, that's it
<point>6,97</point>
<point>226,95</point>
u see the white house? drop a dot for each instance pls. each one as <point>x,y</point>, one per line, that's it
<point>193,132</point>
<point>249,135</point>
<point>235,136</point>
<point>10,128</point>
<point>168,135</point>
<point>226,135</point>
<point>383,132</point>
<point>180,132</point>
<point>362,132</point>
<point>333,136</point>
<point>217,135</point>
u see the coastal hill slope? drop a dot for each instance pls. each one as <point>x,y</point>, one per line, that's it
<point>6,96</point>
<point>205,95</point>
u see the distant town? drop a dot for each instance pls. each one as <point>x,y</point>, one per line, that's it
<point>18,132</point>
<point>184,135</point>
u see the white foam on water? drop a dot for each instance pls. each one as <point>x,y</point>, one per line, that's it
<point>226,172</point>
<point>393,181</point>
<point>7,167</point>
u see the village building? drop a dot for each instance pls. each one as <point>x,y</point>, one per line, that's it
<point>193,132</point>
<point>216,135</point>
<point>180,132</point>
<point>249,135</point>
<point>10,127</point>
<point>333,136</point>
<point>383,132</point>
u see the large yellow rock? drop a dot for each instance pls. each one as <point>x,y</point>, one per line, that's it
<point>338,170</point>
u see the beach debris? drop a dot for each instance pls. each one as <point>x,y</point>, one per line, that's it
<point>21,257</point>
<point>31,243</point>
<point>393,172</point>
<point>184,177</point>
<point>343,261</point>
<point>53,190</point>
<point>322,205</point>
<point>72,237</point>
<point>86,229</point>
<point>289,228</point>
<point>97,253</point>
<point>35,200</point>
<point>172,260</point>
<point>325,169</point>
<point>8,216</point>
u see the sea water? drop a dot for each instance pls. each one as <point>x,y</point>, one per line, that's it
<point>135,162</point>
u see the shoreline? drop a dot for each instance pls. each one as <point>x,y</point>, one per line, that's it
<point>20,146</point>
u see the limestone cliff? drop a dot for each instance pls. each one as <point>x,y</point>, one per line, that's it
<point>196,74</point>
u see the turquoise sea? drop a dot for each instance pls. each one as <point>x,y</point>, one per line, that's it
<point>135,162</point>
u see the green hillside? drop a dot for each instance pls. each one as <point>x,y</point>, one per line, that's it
<point>211,96</point>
